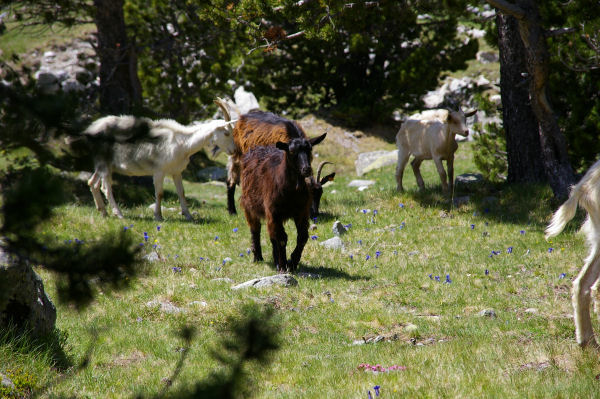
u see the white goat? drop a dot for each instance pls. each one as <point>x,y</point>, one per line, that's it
<point>587,194</point>
<point>160,147</point>
<point>430,135</point>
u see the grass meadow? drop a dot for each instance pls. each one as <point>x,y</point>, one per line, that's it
<point>488,253</point>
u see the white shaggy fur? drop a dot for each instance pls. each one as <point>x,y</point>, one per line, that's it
<point>430,135</point>
<point>166,150</point>
<point>587,194</point>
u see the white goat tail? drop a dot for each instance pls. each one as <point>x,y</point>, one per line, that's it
<point>585,193</point>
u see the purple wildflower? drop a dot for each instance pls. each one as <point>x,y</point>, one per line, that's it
<point>176,269</point>
<point>368,257</point>
<point>359,242</point>
<point>351,256</point>
<point>216,238</point>
<point>377,254</point>
<point>509,250</point>
<point>235,229</point>
<point>376,389</point>
<point>487,272</point>
<point>437,278</point>
<point>431,276</point>
<point>157,228</point>
<point>522,232</point>
<point>313,237</point>
<point>369,395</point>
<point>375,212</point>
<point>472,227</point>
<point>562,275</point>
<point>448,281</point>
<point>550,250</point>
<point>401,205</point>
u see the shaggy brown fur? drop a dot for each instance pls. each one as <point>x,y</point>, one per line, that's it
<point>257,128</point>
<point>275,187</point>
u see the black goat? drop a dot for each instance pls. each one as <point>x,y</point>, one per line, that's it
<point>275,186</point>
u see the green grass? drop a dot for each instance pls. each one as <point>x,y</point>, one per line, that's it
<point>521,353</point>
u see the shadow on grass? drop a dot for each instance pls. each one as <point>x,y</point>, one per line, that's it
<point>521,204</point>
<point>329,273</point>
<point>22,341</point>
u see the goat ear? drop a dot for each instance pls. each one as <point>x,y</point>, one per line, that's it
<point>318,139</point>
<point>282,146</point>
<point>327,178</point>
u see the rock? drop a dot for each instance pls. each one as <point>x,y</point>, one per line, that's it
<point>491,313</point>
<point>6,382</point>
<point>482,81</point>
<point>223,280</point>
<point>312,227</point>
<point>468,179</point>
<point>212,173</point>
<point>333,243</point>
<point>47,82</point>
<point>531,310</point>
<point>368,161</point>
<point>165,307</point>
<point>486,57</point>
<point>198,303</point>
<point>286,280</point>
<point>410,327</point>
<point>23,300</point>
<point>72,85</point>
<point>458,201</point>
<point>338,228</point>
<point>151,257</point>
<point>361,183</point>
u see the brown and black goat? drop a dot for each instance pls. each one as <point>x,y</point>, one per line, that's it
<point>253,129</point>
<point>276,187</point>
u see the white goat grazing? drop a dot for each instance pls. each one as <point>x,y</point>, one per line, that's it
<point>587,194</point>
<point>157,148</point>
<point>430,135</point>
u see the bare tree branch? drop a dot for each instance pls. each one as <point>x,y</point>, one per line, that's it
<point>560,31</point>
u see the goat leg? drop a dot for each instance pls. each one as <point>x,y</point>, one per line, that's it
<point>440,168</point>
<point>94,183</point>
<point>278,241</point>
<point>254,225</point>
<point>416,164</point>
<point>158,192</point>
<point>581,301</point>
<point>400,166</point>
<point>233,178</point>
<point>450,166</point>
<point>302,230</point>
<point>107,189</point>
<point>179,187</point>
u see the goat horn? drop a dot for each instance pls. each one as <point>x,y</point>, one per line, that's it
<point>321,168</point>
<point>219,101</point>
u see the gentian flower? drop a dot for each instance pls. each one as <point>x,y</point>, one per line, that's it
<point>401,205</point>
<point>522,232</point>
<point>377,254</point>
<point>562,275</point>
<point>368,257</point>
<point>487,272</point>
<point>235,229</point>
<point>369,395</point>
<point>448,281</point>
<point>157,228</point>
<point>437,278</point>
<point>509,250</point>
<point>550,250</point>
<point>472,227</point>
<point>376,389</point>
<point>431,276</point>
<point>375,212</point>
<point>313,237</point>
<point>216,238</point>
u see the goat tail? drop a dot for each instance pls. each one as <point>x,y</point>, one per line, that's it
<point>584,194</point>
<point>564,214</point>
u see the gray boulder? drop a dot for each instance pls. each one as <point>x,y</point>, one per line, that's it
<point>368,161</point>
<point>338,228</point>
<point>23,301</point>
<point>286,280</point>
<point>6,382</point>
<point>333,243</point>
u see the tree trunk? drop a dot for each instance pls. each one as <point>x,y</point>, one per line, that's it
<point>537,60</point>
<point>554,146</point>
<point>525,163</point>
<point>120,89</point>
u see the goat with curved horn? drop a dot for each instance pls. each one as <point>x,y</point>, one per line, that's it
<point>317,188</point>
